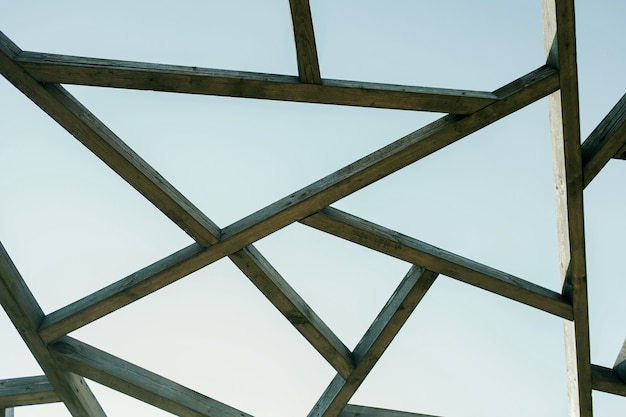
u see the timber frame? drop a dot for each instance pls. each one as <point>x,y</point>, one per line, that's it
<point>67,361</point>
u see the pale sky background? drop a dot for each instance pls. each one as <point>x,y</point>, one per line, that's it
<point>73,226</point>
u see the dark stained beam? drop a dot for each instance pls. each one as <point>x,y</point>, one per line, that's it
<point>606,141</point>
<point>26,315</point>
<point>352,410</point>
<point>91,132</point>
<point>300,204</point>
<point>560,42</point>
<point>250,261</point>
<point>411,250</point>
<point>607,380</point>
<point>50,68</point>
<point>27,391</point>
<point>137,382</point>
<point>304,36</point>
<point>620,363</point>
<point>375,341</point>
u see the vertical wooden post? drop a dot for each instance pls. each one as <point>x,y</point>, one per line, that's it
<point>560,46</point>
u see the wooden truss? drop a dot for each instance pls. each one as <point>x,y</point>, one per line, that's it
<point>66,361</point>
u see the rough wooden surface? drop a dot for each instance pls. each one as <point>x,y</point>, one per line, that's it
<point>403,247</point>
<point>304,36</point>
<point>560,34</point>
<point>27,391</point>
<point>607,380</point>
<point>51,68</point>
<point>375,341</point>
<point>26,315</point>
<point>139,383</point>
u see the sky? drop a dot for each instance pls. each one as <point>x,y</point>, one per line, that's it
<point>72,226</point>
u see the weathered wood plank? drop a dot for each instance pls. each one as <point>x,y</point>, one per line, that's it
<point>621,154</point>
<point>560,32</point>
<point>607,380</point>
<point>373,236</point>
<point>620,363</point>
<point>352,410</point>
<point>137,382</point>
<point>91,132</point>
<point>375,341</point>
<point>50,68</point>
<point>294,308</point>
<point>27,391</point>
<point>301,204</point>
<point>25,313</point>
<point>304,36</point>
<point>605,142</point>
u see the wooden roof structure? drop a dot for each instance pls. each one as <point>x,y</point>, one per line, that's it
<point>66,361</point>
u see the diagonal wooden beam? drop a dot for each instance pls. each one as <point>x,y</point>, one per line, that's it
<point>27,391</point>
<point>607,380</point>
<point>250,261</point>
<point>91,132</point>
<point>373,236</point>
<point>304,36</point>
<point>375,341</point>
<point>300,204</point>
<point>137,382</point>
<point>25,313</point>
<point>352,410</point>
<point>51,68</point>
<point>560,42</point>
<point>605,142</point>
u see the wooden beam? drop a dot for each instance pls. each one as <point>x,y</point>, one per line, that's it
<point>607,380</point>
<point>352,410</point>
<point>373,236</point>
<point>137,382</point>
<point>294,308</point>
<point>621,154</point>
<point>300,204</point>
<point>50,68</point>
<point>27,391</point>
<point>560,37</point>
<point>304,36</point>
<point>25,313</point>
<point>620,363</point>
<point>91,132</point>
<point>375,341</point>
<point>607,141</point>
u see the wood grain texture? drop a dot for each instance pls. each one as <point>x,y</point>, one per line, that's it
<point>50,68</point>
<point>301,204</point>
<point>137,382</point>
<point>25,313</point>
<point>605,142</point>
<point>352,410</point>
<point>91,132</point>
<point>27,391</point>
<point>250,261</point>
<point>560,30</point>
<point>304,37</point>
<point>607,380</point>
<point>375,341</point>
<point>373,236</point>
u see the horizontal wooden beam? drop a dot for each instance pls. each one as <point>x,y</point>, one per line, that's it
<point>375,341</point>
<point>25,313</point>
<point>137,382</point>
<point>27,391</point>
<point>304,37</point>
<point>301,204</point>
<point>91,132</point>
<point>411,250</point>
<point>620,363</point>
<point>352,410</point>
<point>50,68</point>
<point>607,380</point>
<point>250,261</point>
<point>608,140</point>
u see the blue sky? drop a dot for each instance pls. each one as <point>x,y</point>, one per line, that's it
<point>72,226</point>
